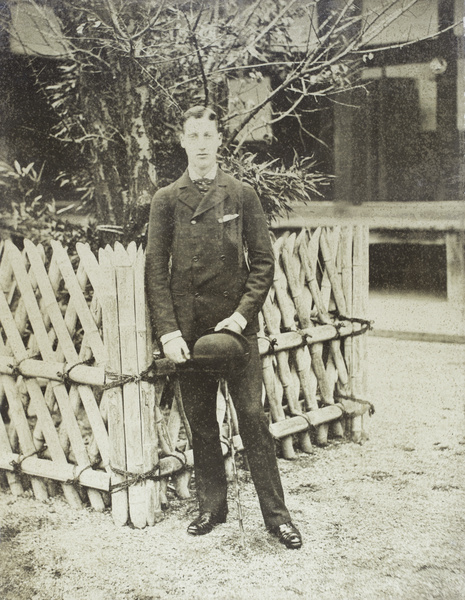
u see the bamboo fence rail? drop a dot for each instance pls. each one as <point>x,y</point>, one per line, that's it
<point>84,408</point>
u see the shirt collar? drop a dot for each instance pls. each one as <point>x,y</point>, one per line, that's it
<point>195,176</point>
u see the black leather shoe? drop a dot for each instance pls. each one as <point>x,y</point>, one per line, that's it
<point>205,522</point>
<point>289,535</point>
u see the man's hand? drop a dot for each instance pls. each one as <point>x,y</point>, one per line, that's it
<point>177,350</point>
<point>229,323</point>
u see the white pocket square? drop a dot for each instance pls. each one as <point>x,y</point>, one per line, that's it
<point>227,218</point>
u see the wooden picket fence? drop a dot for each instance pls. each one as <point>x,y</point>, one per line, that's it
<point>84,408</point>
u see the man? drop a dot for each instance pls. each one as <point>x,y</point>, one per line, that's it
<point>197,278</point>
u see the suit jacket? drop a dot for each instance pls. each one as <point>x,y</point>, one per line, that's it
<point>196,273</point>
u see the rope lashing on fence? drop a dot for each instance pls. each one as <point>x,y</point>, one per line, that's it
<point>304,416</point>
<point>366,324</point>
<point>66,371</point>
<point>133,478</point>
<point>153,474</point>
<point>371,407</point>
<point>75,479</point>
<point>120,379</point>
<point>15,368</point>
<point>16,464</point>
<point>272,343</point>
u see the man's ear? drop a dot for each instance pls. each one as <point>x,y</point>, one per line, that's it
<point>181,140</point>
<point>220,138</point>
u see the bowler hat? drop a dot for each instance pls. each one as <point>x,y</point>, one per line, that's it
<point>222,352</point>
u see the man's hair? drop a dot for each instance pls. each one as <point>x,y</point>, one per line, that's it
<point>199,112</point>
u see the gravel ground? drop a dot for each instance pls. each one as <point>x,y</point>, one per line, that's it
<point>383,520</point>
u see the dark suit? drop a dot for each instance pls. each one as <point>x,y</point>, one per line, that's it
<point>196,276</point>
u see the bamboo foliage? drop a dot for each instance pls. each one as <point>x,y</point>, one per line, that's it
<point>75,338</point>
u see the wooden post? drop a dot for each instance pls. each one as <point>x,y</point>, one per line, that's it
<point>359,308</point>
<point>147,392</point>
<point>455,247</point>
<point>347,275</point>
<point>131,400</point>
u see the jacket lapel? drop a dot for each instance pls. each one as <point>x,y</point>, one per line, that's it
<point>188,192</point>
<point>215,195</point>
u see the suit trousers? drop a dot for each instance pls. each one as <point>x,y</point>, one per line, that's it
<point>199,392</point>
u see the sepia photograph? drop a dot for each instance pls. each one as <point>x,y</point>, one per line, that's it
<point>232,304</point>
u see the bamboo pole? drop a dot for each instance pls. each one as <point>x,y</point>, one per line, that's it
<point>271,319</point>
<point>357,310</point>
<point>309,359</point>
<point>364,309</point>
<point>292,269</point>
<point>329,242</point>
<point>297,423</point>
<point>300,355</point>
<point>347,276</point>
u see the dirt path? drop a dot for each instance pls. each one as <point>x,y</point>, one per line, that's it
<point>385,520</point>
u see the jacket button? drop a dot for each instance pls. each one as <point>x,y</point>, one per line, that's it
<point>193,222</point>
<point>196,294</point>
<point>225,294</point>
<point>195,258</point>
<point>223,257</point>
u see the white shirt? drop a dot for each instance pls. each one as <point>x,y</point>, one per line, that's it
<point>210,175</point>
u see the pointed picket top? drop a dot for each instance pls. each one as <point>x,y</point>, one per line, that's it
<point>121,256</point>
<point>132,251</point>
<point>313,246</point>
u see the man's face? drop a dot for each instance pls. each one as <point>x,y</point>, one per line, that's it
<point>201,140</point>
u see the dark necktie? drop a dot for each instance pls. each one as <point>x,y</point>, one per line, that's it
<point>203,185</point>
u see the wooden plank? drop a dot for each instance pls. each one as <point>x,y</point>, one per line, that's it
<point>438,216</point>
<point>131,399</point>
<point>113,396</point>
<point>39,467</point>
<point>146,390</point>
